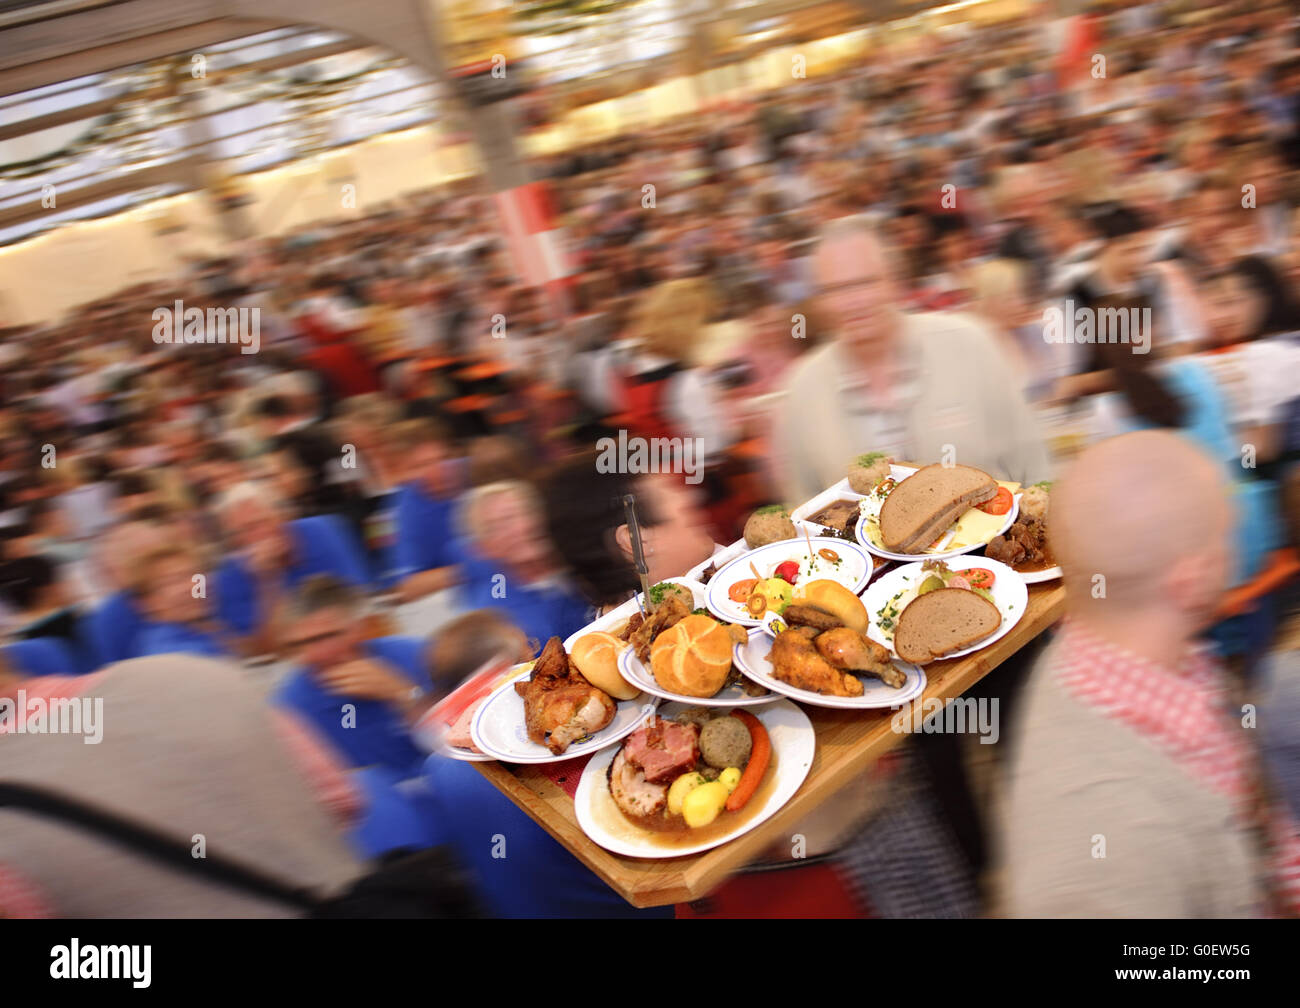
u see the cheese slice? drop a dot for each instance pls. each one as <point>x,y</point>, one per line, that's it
<point>975,526</point>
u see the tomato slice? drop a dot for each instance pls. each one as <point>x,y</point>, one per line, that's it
<point>741,590</point>
<point>979,577</point>
<point>1000,504</point>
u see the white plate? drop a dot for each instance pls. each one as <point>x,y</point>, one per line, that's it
<point>793,744</point>
<point>616,619</point>
<point>854,572</point>
<point>729,553</point>
<point>901,473</point>
<point>498,727</point>
<point>636,673</point>
<point>430,732</point>
<point>752,657</point>
<point>828,496</point>
<point>1009,594</point>
<point>1036,577</point>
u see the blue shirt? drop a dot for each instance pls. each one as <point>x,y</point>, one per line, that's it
<point>541,611</point>
<point>370,732</point>
<point>38,656</point>
<point>536,877</point>
<point>113,629</point>
<point>399,814</point>
<point>178,638</point>
<point>425,535</point>
<point>322,544</point>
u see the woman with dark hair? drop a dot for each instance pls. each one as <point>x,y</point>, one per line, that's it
<point>1181,393</point>
<point>1267,306</point>
<point>1257,357</point>
<point>588,525</point>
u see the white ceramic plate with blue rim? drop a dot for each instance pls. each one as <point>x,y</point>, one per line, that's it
<point>636,673</point>
<point>499,729</point>
<point>899,587</point>
<point>793,744</point>
<point>752,658</point>
<point>853,570</point>
<point>870,507</point>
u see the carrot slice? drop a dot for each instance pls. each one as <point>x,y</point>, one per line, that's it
<point>760,754</point>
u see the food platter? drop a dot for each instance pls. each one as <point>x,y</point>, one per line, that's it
<point>793,746</point>
<point>499,727</point>
<point>752,658</point>
<point>868,532</point>
<point>853,569</point>
<point>1009,595</point>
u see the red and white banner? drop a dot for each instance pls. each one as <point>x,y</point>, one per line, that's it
<point>536,244</point>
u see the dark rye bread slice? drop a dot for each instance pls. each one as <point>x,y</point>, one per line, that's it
<point>943,621</point>
<point>918,510</point>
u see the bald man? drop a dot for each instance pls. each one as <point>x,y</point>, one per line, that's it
<point>927,387</point>
<point>1131,788</point>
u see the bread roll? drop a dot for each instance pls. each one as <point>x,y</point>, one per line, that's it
<point>832,597</point>
<point>596,656</point>
<point>692,657</point>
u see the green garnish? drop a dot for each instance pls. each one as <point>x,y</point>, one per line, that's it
<point>701,612</point>
<point>870,458</point>
<point>1045,484</point>
<point>771,509</point>
<point>657,591</point>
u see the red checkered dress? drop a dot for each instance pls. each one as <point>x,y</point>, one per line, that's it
<point>1186,714</point>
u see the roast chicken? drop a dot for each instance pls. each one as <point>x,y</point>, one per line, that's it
<point>560,706</point>
<point>847,649</point>
<point>823,660</point>
<point>795,660</point>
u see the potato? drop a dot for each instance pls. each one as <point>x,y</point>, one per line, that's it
<point>730,777</point>
<point>704,804</point>
<point>681,787</point>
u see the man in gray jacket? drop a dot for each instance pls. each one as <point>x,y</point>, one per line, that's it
<point>926,387</point>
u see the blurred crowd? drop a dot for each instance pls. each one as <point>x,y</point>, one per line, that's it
<point>409,449</point>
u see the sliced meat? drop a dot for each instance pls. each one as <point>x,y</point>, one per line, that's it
<point>635,797</point>
<point>663,749</point>
<point>459,734</point>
